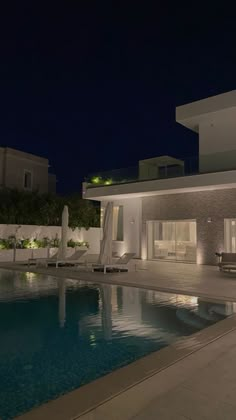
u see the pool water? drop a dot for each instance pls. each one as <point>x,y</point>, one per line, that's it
<point>57,335</point>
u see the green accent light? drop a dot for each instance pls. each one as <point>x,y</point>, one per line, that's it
<point>96,180</point>
<point>108,182</point>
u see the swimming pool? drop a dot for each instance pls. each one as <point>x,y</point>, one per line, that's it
<point>57,335</point>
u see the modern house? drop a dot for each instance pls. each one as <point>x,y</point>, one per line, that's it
<point>24,171</point>
<point>171,211</point>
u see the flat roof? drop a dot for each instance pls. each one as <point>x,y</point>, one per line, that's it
<point>190,183</point>
<point>162,160</point>
<point>190,115</point>
<point>25,155</point>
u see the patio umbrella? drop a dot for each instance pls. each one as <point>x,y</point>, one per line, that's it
<point>64,232</point>
<point>16,237</point>
<point>105,256</point>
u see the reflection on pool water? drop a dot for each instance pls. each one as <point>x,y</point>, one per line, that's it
<point>57,334</point>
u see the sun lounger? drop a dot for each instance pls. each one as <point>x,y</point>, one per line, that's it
<point>37,261</point>
<point>92,259</point>
<point>120,264</point>
<point>73,259</point>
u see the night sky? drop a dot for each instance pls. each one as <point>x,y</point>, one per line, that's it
<point>94,87</point>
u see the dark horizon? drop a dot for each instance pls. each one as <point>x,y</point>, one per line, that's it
<point>94,88</point>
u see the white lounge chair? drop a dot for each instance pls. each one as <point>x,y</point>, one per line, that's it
<point>42,260</point>
<point>91,260</point>
<point>73,259</point>
<point>120,263</point>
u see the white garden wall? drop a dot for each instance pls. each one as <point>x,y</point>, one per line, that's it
<point>92,236</point>
<point>7,255</point>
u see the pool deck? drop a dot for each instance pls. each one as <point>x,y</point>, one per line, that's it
<point>199,383</point>
<point>200,386</point>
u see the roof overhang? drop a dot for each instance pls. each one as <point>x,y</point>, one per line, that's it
<point>201,182</point>
<point>209,109</point>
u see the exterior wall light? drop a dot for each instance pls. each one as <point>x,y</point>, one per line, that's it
<point>209,220</point>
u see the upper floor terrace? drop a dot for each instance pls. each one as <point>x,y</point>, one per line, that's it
<point>214,119</point>
<point>161,175</point>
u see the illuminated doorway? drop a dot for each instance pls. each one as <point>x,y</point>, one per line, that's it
<point>172,240</point>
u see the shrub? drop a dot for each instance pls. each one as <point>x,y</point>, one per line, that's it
<point>33,243</point>
<point>54,243</point>
<point>73,244</point>
<point>4,244</point>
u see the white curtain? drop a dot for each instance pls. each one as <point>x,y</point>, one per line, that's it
<point>193,232</point>
<point>186,231</point>
<point>230,235</point>
<point>168,231</point>
<point>182,232</point>
<point>176,231</point>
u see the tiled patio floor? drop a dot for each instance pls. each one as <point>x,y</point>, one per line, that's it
<point>189,278</point>
<point>199,387</point>
<point>207,387</point>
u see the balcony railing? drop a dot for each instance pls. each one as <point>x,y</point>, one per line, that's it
<point>138,173</point>
<point>156,168</point>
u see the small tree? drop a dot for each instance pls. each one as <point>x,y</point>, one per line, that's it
<point>82,213</point>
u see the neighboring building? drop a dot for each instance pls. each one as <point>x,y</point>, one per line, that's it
<point>25,171</point>
<point>187,217</point>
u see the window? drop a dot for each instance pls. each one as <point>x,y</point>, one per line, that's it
<point>118,222</point>
<point>28,180</point>
<point>102,211</point>
<point>230,235</point>
<point>118,234</point>
<point>172,240</point>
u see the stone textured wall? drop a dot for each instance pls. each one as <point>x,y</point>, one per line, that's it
<point>217,205</point>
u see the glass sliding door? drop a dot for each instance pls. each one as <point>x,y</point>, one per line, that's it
<point>230,235</point>
<point>186,240</point>
<point>164,240</point>
<point>172,240</point>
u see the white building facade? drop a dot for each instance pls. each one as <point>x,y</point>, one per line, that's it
<point>170,213</point>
